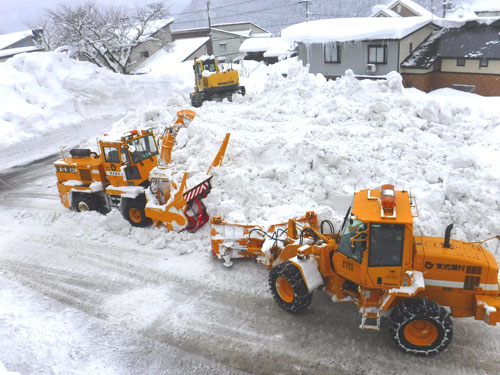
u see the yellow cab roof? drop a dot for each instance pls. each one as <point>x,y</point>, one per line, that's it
<point>367,207</point>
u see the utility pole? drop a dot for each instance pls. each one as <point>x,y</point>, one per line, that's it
<point>210,46</point>
<point>307,4</point>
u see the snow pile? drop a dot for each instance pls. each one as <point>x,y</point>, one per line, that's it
<point>302,142</point>
<point>40,91</point>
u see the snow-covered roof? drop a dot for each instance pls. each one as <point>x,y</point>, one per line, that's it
<point>382,9</point>
<point>15,51</point>
<point>179,51</point>
<point>345,29</point>
<point>245,33</point>
<point>151,28</point>
<point>279,45</point>
<point>473,40</point>
<point>413,6</point>
<point>468,10</point>
<point>8,39</point>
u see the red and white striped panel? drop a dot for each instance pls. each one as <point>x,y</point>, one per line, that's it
<point>194,192</point>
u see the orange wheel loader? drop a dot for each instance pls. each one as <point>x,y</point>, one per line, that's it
<point>377,262</point>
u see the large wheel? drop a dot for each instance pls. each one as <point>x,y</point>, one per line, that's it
<point>289,288</point>
<point>421,327</point>
<point>81,202</point>
<point>133,211</point>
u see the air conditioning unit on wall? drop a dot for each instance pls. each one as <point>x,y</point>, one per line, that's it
<point>371,68</point>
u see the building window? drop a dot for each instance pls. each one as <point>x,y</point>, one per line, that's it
<point>145,54</point>
<point>483,63</point>
<point>332,53</point>
<point>460,61</point>
<point>377,55</point>
<point>411,47</point>
<point>222,47</point>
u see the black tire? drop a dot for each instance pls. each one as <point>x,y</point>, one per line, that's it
<point>242,91</point>
<point>81,202</point>
<point>196,99</point>
<point>133,211</point>
<point>289,288</point>
<point>421,327</point>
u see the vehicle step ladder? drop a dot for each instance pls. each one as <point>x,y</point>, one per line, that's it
<point>370,318</point>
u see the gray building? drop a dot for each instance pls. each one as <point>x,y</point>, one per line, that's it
<point>19,42</point>
<point>371,47</point>
<point>158,35</point>
<point>226,38</point>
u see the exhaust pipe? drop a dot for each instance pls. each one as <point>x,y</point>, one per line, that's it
<point>447,234</point>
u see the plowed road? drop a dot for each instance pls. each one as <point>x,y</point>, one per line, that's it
<point>84,293</point>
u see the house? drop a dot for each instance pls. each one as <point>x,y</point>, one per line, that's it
<point>402,8</point>
<point>478,9</point>
<point>226,39</point>
<point>19,42</point>
<point>370,46</point>
<point>465,58</point>
<point>267,49</point>
<point>157,35</point>
<point>179,51</point>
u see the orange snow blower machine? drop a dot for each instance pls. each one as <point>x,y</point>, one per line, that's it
<point>377,262</point>
<point>128,174</point>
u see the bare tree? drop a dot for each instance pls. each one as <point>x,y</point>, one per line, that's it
<point>104,36</point>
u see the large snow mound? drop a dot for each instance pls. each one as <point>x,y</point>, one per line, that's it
<point>43,92</point>
<point>303,142</point>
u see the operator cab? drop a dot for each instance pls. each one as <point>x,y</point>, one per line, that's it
<point>374,247</point>
<point>128,161</point>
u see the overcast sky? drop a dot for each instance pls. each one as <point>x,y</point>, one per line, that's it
<point>15,14</point>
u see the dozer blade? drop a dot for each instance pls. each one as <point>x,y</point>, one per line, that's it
<point>231,240</point>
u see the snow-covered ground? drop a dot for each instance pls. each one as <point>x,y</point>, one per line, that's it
<point>86,293</point>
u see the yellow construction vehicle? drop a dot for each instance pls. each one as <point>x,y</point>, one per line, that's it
<point>213,83</point>
<point>377,262</point>
<point>126,171</point>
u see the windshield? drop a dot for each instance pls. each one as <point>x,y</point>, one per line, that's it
<point>142,148</point>
<point>209,65</point>
<point>351,228</point>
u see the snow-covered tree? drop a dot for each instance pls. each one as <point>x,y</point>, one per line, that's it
<point>105,36</point>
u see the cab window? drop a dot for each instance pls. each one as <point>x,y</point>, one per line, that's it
<point>353,243</point>
<point>111,155</point>
<point>386,245</point>
<point>142,148</point>
<point>125,156</point>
